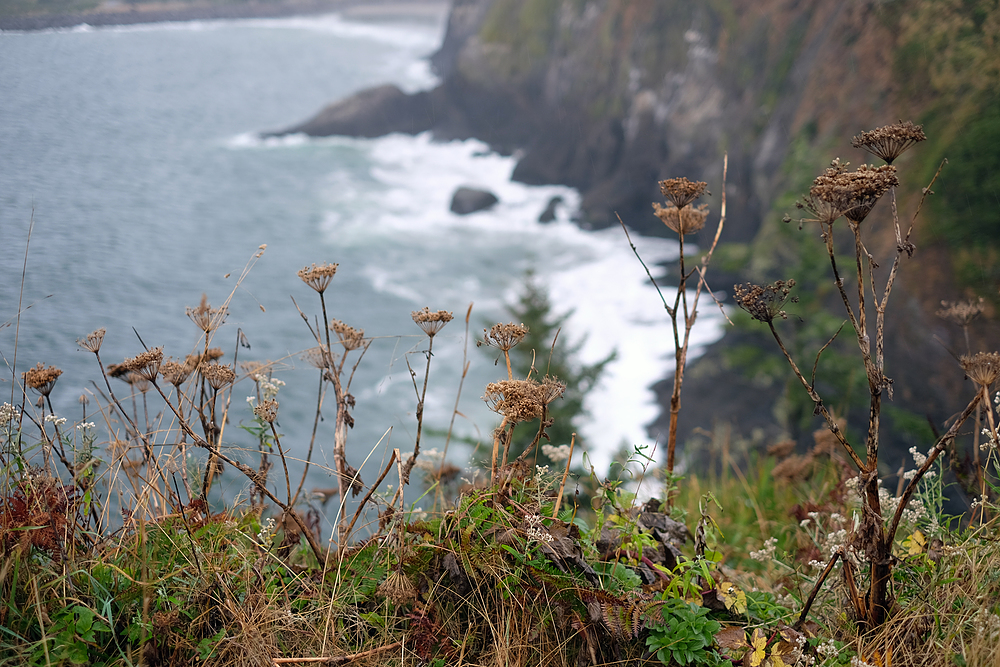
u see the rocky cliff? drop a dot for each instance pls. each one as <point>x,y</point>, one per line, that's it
<point>610,96</point>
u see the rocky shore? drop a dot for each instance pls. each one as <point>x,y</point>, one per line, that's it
<point>120,14</point>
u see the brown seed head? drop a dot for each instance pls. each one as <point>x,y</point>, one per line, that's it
<point>517,400</point>
<point>983,368</point>
<point>961,312</point>
<point>889,142</point>
<point>398,588</point>
<point>175,372</point>
<point>318,276</point>
<point>218,376</point>
<point>196,360</point>
<point>854,193</point>
<point>317,357</point>
<point>205,317</point>
<point>552,389</point>
<point>93,341</point>
<point>138,382</point>
<point>267,410</point>
<point>764,302</point>
<point>350,337</point>
<point>687,220</point>
<point>118,371</point>
<point>146,365</point>
<point>42,379</point>
<point>681,191</point>
<point>431,322</point>
<point>504,336</point>
<point>257,370</point>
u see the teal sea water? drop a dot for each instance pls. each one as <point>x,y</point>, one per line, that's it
<point>136,152</point>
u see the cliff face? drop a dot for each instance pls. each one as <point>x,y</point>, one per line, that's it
<point>610,96</point>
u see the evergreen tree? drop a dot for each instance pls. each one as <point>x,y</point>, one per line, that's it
<point>546,350</point>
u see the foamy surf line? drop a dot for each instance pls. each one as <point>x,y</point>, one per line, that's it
<point>398,34</point>
<point>483,258</point>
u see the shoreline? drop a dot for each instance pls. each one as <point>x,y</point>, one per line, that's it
<point>176,11</point>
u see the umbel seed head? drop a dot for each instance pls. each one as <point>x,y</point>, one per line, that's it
<point>504,336</point>
<point>145,365</point>
<point>318,276</point>
<point>175,372</point>
<point>681,192</point>
<point>889,141</point>
<point>431,322</point>
<point>267,410</point>
<point>218,375</point>
<point>687,220</point>
<point>350,337</point>
<point>854,193</point>
<point>42,379</point>
<point>205,317</point>
<point>93,341</point>
<point>961,312</point>
<point>983,368</point>
<point>764,302</point>
<point>517,400</point>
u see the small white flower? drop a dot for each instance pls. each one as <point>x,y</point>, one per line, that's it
<point>55,419</point>
<point>85,425</point>
<point>556,454</point>
<point>251,399</point>
<point>9,413</point>
<point>767,551</point>
<point>918,458</point>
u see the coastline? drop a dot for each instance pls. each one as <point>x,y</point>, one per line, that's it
<point>182,11</point>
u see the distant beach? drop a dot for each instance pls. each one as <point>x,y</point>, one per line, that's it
<point>117,13</point>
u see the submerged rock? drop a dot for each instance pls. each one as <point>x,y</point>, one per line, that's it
<point>469,200</point>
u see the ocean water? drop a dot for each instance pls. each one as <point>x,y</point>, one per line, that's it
<point>134,155</point>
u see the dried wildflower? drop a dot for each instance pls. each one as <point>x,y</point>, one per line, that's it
<point>317,357</point>
<point>119,372</point>
<point>93,340</point>
<point>267,410</point>
<point>398,588</point>
<point>504,336</point>
<point>218,376</point>
<point>175,372</point>
<point>205,317</point>
<point>854,193</point>
<point>350,337</point>
<point>983,368</point>
<point>681,191</point>
<point>552,389</point>
<point>961,312</point>
<point>42,379</point>
<point>687,220</point>
<point>431,322</point>
<point>517,400</point>
<point>146,365</point>
<point>764,302</point>
<point>889,142</point>
<point>196,360</point>
<point>138,382</point>
<point>318,276</point>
